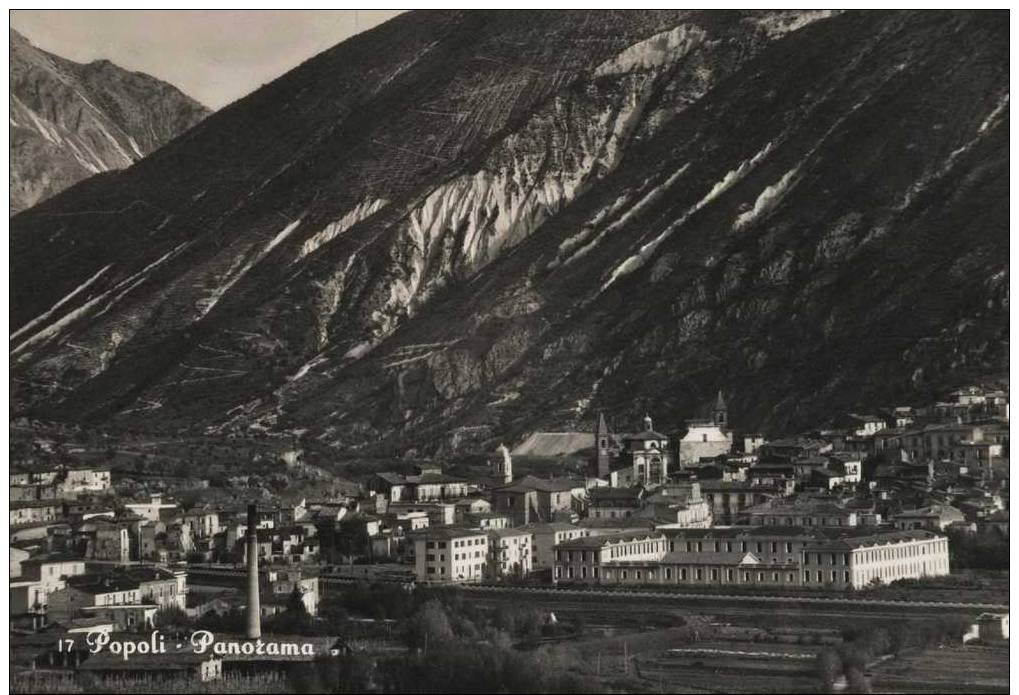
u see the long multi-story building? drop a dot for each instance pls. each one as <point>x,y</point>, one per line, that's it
<point>770,556</point>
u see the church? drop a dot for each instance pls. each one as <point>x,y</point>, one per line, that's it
<point>642,459</point>
<point>645,459</point>
<point>706,438</point>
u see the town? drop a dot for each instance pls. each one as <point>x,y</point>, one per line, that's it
<point>869,502</point>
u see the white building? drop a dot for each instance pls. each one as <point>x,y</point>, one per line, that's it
<point>510,552</point>
<point>152,509</point>
<point>448,554</point>
<point>546,537</point>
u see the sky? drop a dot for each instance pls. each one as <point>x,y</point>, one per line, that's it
<point>214,56</point>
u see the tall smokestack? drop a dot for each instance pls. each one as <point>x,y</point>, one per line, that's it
<point>254,607</point>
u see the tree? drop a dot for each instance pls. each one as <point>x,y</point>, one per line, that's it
<point>429,626</point>
<point>173,620</point>
<point>829,669</point>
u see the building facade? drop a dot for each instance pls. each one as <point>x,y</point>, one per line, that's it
<point>448,554</point>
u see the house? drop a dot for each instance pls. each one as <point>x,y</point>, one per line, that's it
<point>438,513</point>
<point>989,627</point>
<point>802,513</point>
<point>161,587</point>
<point>449,554</point>
<point>792,448</point>
<point>35,512</point>
<point>281,583</point>
<point>729,501</point>
<point>204,523</point>
<point>111,596</point>
<point>39,577</point>
<point>678,503</point>
<point>546,536</point>
<point>429,484</point>
<point>510,552</point>
<point>532,499</point>
<point>487,520</point>
<point>936,517</point>
<point>86,480</point>
<point>615,502</point>
<point>153,510</point>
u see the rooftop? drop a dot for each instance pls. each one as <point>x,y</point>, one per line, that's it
<point>599,541</point>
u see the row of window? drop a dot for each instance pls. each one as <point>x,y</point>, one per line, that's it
<point>895,553</point>
<point>698,574</point>
<point>731,546</point>
<point>480,540</point>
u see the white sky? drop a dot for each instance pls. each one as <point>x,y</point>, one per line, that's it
<point>214,56</point>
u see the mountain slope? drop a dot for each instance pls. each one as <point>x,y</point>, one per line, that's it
<point>69,121</point>
<point>511,220</point>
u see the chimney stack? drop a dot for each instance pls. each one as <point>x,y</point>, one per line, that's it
<point>254,607</point>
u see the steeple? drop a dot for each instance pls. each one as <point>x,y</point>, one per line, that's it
<point>720,413</point>
<point>648,425</point>
<point>601,445</point>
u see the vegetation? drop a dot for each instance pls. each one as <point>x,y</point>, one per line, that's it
<point>986,549</point>
<point>863,645</point>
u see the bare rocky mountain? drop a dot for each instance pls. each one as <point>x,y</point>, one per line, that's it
<point>459,227</point>
<point>69,121</point>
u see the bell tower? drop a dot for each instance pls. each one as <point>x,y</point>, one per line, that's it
<point>720,413</point>
<point>601,444</point>
<point>502,464</point>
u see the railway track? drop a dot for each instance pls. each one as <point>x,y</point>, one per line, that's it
<point>483,588</point>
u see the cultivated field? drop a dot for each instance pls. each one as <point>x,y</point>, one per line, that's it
<point>961,669</point>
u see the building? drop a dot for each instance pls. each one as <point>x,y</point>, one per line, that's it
<point>278,585</point>
<point>802,513</point>
<point>429,484</point>
<point>729,501</point>
<point>35,512</point>
<point>86,480</point>
<point>153,510</point>
<point>792,448</point>
<point>501,465</point>
<point>585,559</point>
<point>533,500</point>
<point>708,438</point>
<point>647,453</point>
<point>877,558</point>
<point>770,556</point>
<point>510,553</point>
<point>604,446</point>
<point>678,503</point>
<point>546,536</point>
<point>161,587</point>
<point>449,554</point>
<point>614,502</point>
<point>705,569</point>
<point>936,517</point>
<point>38,577</point>
<point>438,513</point>
<point>114,597</point>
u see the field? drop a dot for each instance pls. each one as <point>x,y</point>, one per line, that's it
<point>961,669</point>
